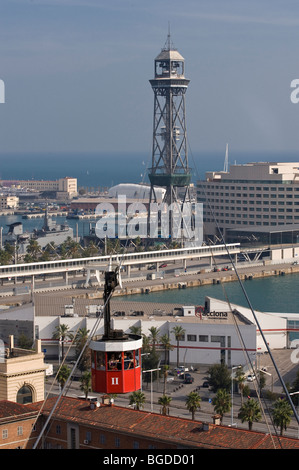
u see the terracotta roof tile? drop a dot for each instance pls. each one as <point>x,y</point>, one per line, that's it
<point>168,429</point>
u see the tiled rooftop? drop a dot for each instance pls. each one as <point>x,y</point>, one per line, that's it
<point>167,429</point>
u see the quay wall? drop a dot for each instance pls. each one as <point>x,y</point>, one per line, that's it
<point>204,280</point>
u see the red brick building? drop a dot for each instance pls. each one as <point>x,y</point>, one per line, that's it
<point>76,424</point>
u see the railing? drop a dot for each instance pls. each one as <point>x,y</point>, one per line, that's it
<point>45,267</point>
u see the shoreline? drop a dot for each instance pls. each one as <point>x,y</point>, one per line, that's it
<point>208,278</point>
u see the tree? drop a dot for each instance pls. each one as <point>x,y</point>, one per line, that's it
<point>85,385</point>
<point>63,375</point>
<point>222,402</point>
<point>167,347</point>
<point>33,249</point>
<point>282,412</point>
<point>135,330</point>
<point>154,332</point>
<point>179,333</point>
<point>80,341</point>
<point>61,333</point>
<point>24,342</point>
<point>164,401</point>
<point>165,374</point>
<point>137,399</point>
<point>250,412</point>
<point>220,377</point>
<point>193,403</point>
<point>240,380</point>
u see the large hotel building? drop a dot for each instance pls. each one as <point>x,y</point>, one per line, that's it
<point>254,202</point>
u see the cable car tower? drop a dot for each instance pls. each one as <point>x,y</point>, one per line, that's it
<point>115,356</point>
<point>169,150</point>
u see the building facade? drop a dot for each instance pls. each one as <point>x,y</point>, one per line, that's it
<point>252,202</point>
<point>8,202</point>
<point>79,424</point>
<point>22,374</point>
<point>63,187</point>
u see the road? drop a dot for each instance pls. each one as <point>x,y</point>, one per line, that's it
<point>179,391</point>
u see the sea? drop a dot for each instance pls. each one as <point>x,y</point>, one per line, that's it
<point>102,170</point>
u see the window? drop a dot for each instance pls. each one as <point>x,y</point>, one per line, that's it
<point>135,445</point>
<point>191,337</point>
<point>102,439</point>
<point>58,429</point>
<point>117,442</point>
<point>24,395</point>
<point>4,433</point>
<point>203,338</point>
<point>20,431</point>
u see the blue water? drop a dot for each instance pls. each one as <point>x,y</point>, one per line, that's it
<point>272,294</point>
<point>93,170</point>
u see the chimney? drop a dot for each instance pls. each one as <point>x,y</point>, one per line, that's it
<point>11,342</point>
<point>205,426</point>
<point>38,346</point>
<point>216,419</point>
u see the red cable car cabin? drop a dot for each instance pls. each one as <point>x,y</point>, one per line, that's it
<point>116,364</point>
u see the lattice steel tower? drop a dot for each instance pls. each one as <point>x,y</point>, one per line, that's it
<point>169,152</point>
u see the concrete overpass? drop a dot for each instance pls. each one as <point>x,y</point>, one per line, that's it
<point>94,265</point>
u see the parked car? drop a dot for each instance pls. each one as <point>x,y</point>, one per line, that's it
<point>206,384</point>
<point>163,265</point>
<point>250,378</point>
<point>183,368</point>
<point>184,375</point>
<point>189,380</point>
<point>152,267</point>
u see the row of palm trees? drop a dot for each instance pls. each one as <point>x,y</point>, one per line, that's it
<point>249,412</point>
<point>219,379</point>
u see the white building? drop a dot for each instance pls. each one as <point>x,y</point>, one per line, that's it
<point>252,202</point>
<point>211,334</point>
<point>135,191</point>
<point>8,202</point>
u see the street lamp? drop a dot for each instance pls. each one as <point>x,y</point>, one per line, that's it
<point>232,393</point>
<point>151,371</point>
<point>296,393</point>
<point>268,373</point>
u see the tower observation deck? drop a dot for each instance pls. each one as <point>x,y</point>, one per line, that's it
<point>169,150</point>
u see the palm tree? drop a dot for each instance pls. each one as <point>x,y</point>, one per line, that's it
<point>193,403</point>
<point>250,412</point>
<point>282,413</point>
<point>135,330</point>
<point>167,346</point>
<point>165,374</point>
<point>63,375</point>
<point>61,333</point>
<point>145,344</point>
<point>179,333</point>
<point>222,402</point>
<point>137,399</point>
<point>85,385</point>
<point>33,249</point>
<point>80,342</point>
<point>164,401</point>
<point>240,379</point>
<point>154,332</point>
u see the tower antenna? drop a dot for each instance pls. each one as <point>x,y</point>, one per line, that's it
<point>225,169</point>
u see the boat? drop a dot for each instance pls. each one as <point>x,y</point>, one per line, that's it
<point>50,232</point>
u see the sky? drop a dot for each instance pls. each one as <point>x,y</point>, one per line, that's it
<point>76,74</point>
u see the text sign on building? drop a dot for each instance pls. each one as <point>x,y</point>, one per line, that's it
<point>199,312</point>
